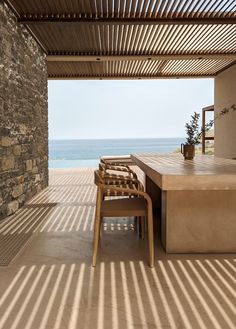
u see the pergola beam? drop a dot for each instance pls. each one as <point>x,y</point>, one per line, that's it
<point>104,58</point>
<point>146,77</point>
<point>75,19</point>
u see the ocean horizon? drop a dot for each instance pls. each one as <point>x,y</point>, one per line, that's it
<point>73,153</point>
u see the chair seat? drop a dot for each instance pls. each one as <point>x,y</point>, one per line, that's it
<point>126,207</point>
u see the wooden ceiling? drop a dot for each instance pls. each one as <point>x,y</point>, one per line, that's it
<point>132,39</point>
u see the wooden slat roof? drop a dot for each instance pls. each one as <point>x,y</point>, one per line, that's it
<point>132,38</point>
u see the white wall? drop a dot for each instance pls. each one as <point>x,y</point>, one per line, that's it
<point>225,126</point>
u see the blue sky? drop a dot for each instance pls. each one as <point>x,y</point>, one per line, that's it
<point>125,109</point>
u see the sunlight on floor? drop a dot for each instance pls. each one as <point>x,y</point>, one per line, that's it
<point>51,284</point>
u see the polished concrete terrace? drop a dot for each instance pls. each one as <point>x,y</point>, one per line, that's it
<point>46,278</point>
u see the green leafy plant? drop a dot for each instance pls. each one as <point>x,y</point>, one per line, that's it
<point>194,133</point>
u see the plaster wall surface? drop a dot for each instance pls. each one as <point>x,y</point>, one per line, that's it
<point>23,115</point>
<point>225,125</point>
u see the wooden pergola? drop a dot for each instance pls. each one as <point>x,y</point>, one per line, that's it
<point>132,39</point>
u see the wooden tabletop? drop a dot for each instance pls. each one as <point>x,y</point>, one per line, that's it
<point>172,172</point>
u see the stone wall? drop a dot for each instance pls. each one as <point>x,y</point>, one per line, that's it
<point>23,115</point>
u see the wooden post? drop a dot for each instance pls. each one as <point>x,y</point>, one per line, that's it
<point>204,138</point>
<point>203,130</point>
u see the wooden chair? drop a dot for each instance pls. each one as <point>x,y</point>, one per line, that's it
<point>123,170</point>
<point>111,178</point>
<point>118,160</point>
<point>129,181</point>
<point>140,206</point>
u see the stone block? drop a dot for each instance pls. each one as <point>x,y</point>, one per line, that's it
<point>24,148</point>
<point>35,170</point>
<point>37,178</point>
<point>4,131</point>
<point>12,207</point>
<point>6,141</point>
<point>20,179</point>
<point>17,190</point>
<point>23,129</point>
<point>17,150</point>
<point>39,188</point>
<point>3,211</point>
<point>8,163</point>
<point>29,165</point>
<point>8,151</point>
<point>21,199</point>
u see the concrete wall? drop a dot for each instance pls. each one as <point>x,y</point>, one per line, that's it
<point>23,115</point>
<point>225,126</point>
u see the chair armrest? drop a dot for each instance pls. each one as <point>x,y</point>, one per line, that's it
<point>128,191</point>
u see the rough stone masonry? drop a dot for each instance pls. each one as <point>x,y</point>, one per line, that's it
<point>23,115</point>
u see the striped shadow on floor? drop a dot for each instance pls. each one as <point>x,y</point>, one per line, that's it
<point>16,231</point>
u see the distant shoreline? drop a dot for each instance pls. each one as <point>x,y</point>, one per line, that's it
<point>86,152</point>
<point>107,139</point>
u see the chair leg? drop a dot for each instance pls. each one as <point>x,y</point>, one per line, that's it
<point>135,223</point>
<point>97,226</point>
<point>142,227</point>
<point>150,238</point>
<point>100,225</point>
<point>139,226</point>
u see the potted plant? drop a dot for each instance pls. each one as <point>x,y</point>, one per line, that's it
<point>194,134</point>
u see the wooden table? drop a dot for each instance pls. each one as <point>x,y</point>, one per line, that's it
<point>197,200</point>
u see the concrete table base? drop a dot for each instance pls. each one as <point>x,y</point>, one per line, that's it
<point>197,200</point>
<point>199,221</point>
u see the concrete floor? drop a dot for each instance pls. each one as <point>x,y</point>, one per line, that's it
<point>51,284</point>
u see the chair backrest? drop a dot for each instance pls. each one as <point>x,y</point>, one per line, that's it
<point>117,160</point>
<point>102,168</point>
<point>98,179</point>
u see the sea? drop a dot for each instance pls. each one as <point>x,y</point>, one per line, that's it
<point>86,152</point>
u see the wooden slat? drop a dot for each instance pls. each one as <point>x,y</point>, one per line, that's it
<point>140,42</point>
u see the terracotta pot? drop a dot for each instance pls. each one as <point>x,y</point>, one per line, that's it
<point>188,151</point>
